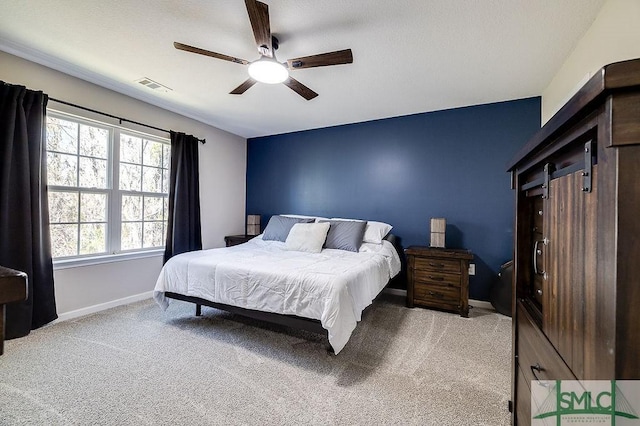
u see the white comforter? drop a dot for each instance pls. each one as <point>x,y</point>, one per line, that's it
<point>333,286</point>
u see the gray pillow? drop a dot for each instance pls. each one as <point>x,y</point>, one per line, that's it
<point>345,235</point>
<point>279,226</point>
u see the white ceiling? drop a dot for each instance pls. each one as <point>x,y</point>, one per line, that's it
<point>410,56</point>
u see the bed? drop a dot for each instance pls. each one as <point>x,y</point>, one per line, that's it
<point>324,291</point>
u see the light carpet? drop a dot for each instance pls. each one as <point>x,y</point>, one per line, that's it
<point>138,365</point>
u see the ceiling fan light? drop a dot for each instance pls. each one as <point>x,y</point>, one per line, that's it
<point>268,71</point>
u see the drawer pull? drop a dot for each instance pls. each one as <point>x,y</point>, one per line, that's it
<point>434,294</point>
<point>539,369</point>
<point>536,253</point>
<point>436,265</point>
<point>431,277</point>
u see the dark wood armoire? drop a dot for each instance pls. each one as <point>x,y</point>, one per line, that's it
<point>576,291</point>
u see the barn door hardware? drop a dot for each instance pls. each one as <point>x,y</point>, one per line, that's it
<point>548,169</point>
<point>588,167</point>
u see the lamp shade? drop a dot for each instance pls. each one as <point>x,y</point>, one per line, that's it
<point>253,224</point>
<point>438,227</point>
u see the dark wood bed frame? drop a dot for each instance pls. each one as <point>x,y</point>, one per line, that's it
<point>293,321</point>
<point>288,320</point>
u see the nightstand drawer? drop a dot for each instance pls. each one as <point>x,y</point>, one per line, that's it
<point>437,293</point>
<point>438,302</point>
<point>436,278</point>
<point>437,265</point>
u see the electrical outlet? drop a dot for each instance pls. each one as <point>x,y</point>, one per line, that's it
<point>472,269</point>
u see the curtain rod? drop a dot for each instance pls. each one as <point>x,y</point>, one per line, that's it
<point>120,119</point>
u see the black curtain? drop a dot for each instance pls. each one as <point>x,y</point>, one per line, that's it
<point>183,231</point>
<point>25,243</point>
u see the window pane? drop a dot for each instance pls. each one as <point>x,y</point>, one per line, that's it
<point>93,173</point>
<point>62,169</point>
<point>93,207</point>
<point>62,135</point>
<point>64,240</point>
<point>165,181</point>
<point>153,208</point>
<point>131,207</point>
<point>166,156</point>
<point>153,234</point>
<point>151,179</point>
<point>63,206</point>
<point>130,149</point>
<point>94,141</point>
<point>130,177</point>
<point>93,238</point>
<point>131,235</point>
<point>166,208</point>
<point>152,153</point>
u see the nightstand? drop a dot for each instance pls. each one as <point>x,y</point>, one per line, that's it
<point>234,240</point>
<point>438,278</point>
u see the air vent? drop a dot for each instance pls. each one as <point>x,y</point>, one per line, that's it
<point>154,85</point>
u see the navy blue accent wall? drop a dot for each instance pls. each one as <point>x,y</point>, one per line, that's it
<point>404,171</point>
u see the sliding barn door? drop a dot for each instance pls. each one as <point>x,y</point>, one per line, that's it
<point>569,308</point>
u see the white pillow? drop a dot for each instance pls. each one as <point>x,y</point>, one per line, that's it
<point>308,237</point>
<point>298,216</point>
<point>374,232</point>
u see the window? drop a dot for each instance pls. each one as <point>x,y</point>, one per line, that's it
<point>108,188</point>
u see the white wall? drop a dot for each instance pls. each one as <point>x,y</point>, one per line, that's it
<point>614,36</point>
<point>222,184</point>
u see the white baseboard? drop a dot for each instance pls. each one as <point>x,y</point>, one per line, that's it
<point>65,316</point>
<point>476,303</point>
<point>481,304</point>
<point>395,291</point>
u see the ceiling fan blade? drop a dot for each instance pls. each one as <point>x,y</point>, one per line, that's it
<point>300,88</point>
<point>192,49</point>
<point>243,87</point>
<point>259,17</point>
<point>322,59</point>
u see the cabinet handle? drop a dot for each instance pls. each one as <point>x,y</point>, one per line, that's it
<point>434,294</point>
<point>431,277</point>
<point>436,265</point>
<point>536,252</point>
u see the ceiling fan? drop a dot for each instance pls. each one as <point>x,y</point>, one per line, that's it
<point>267,69</point>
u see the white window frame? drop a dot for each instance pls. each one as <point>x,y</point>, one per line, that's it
<point>114,197</point>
